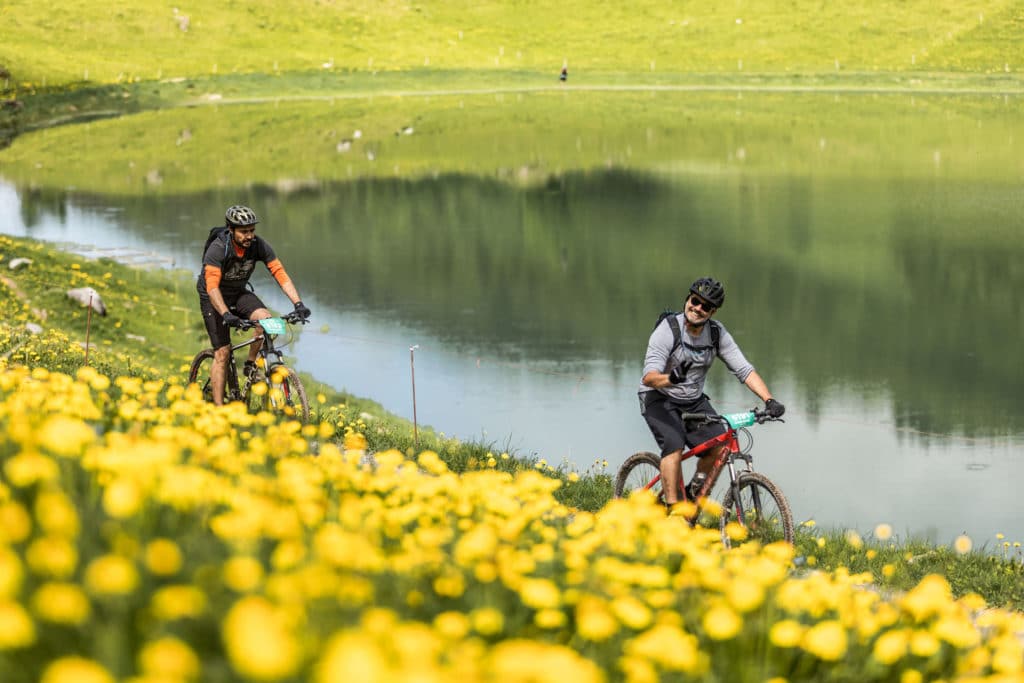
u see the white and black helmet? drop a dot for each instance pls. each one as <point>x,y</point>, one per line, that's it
<point>238,216</point>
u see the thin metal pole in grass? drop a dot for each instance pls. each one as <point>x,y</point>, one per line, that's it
<point>412,369</point>
<point>88,326</point>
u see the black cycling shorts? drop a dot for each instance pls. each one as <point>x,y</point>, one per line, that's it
<point>663,418</point>
<point>243,307</point>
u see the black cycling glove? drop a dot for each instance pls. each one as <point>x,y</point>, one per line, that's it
<point>677,376</point>
<point>231,320</point>
<point>302,311</point>
<point>774,408</point>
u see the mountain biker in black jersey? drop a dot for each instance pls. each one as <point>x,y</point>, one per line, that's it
<point>225,297</point>
<point>675,369</point>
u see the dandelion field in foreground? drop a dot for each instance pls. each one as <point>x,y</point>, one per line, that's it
<point>148,536</point>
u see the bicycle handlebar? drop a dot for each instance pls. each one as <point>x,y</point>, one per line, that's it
<point>760,416</point>
<point>292,318</point>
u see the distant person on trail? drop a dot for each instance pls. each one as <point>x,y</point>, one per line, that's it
<point>225,296</point>
<point>680,352</point>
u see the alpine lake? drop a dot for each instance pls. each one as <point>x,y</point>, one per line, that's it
<point>514,250</point>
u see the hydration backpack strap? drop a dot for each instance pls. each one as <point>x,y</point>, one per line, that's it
<point>716,335</point>
<point>677,336</point>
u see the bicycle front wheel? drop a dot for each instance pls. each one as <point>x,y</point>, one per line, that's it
<point>760,507</point>
<point>280,392</point>
<point>638,472</point>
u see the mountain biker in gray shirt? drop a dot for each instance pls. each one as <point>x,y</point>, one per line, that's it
<point>673,382</point>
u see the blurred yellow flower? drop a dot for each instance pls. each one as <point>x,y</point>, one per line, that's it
<point>111,575</point>
<point>631,612</point>
<point>549,618</point>
<point>66,436</point>
<point>452,625</point>
<point>16,627</point>
<point>927,598</point>
<point>28,468</point>
<point>169,659</point>
<point>528,661</point>
<point>12,574</point>
<point>539,593</point>
<point>258,641</point>
<point>924,644</point>
<point>163,557</point>
<point>177,602</point>
<point>891,646</point>
<point>669,647</point>
<point>76,670</point>
<point>962,544</point>
<point>721,623</point>
<point>786,633</point>
<point>744,594</point>
<point>826,640</point>
<point>61,603</point>
<point>56,514</point>
<point>487,621</point>
<point>15,523</point>
<point>883,532</point>
<point>350,656</point>
<point>122,498</point>
<point>52,556</point>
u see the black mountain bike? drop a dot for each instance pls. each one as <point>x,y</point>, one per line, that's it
<point>272,386</point>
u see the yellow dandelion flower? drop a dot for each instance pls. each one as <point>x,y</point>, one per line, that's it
<point>61,603</point>
<point>539,593</point>
<point>631,612</point>
<point>111,575</point>
<point>452,625</point>
<point>15,523</point>
<point>549,619</point>
<point>163,557</point>
<point>854,539</point>
<point>924,644</point>
<point>350,656</point>
<point>51,556</point>
<point>722,623</point>
<point>883,532</point>
<point>962,544</point>
<point>487,621</point>
<point>258,641</point>
<point>786,633</point>
<point>178,602</point>
<point>56,514</point>
<point>122,498</point>
<point>745,594</point>
<point>888,571</point>
<point>826,640</point>
<point>669,647</point>
<point>891,646</point>
<point>65,436</point>
<point>594,620</point>
<point>911,676</point>
<point>169,658</point>
<point>16,627</point>
<point>76,670</point>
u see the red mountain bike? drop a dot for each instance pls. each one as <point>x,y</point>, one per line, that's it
<point>752,499</point>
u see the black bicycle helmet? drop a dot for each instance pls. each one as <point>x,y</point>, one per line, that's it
<point>239,216</point>
<point>709,289</point>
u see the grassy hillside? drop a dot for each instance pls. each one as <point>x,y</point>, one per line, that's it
<point>125,41</point>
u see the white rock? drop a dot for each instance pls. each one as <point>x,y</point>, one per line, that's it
<point>18,263</point>
<point>88,296</point>
<point>34,328</point>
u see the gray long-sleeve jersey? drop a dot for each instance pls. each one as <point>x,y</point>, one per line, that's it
<point>695,354</point>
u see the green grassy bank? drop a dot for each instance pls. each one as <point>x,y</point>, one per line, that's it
<point>152,329</point>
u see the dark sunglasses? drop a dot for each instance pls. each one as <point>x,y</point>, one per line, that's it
<point>697,302</point>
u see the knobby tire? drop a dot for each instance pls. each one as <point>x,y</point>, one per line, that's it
<point>638,470</point>
<point>284,397</point>
<point>765,509</point>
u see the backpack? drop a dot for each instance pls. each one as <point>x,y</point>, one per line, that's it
<point>677,335</point>
<point>214,234</point>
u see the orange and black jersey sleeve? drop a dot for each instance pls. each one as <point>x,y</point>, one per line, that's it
<point>228,267</point>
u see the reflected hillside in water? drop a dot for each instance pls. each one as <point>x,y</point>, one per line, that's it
<point>902,289</point>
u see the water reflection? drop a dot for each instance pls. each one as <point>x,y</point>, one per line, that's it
<point>883,312</point>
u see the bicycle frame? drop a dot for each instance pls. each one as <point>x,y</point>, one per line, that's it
<point>728,455</point>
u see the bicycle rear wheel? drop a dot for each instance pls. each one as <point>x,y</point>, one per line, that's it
<point>639,470</point>
<point>760,507</point>
<point>280,392</point>
<point>199,373</point>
